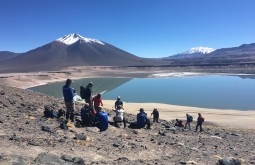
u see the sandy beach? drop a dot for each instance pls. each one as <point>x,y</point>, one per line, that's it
<point>225,118</point>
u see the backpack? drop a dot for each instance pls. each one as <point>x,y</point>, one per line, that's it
<point>191,118</point>
<point>202,119</point>
<point>49,112</point>
<point>86,116</point>
<point>82,92</point>
<point>61,113</point>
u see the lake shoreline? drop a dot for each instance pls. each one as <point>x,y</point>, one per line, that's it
<point>225,118</point>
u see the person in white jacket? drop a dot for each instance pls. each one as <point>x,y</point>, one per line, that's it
<point>119,116</point>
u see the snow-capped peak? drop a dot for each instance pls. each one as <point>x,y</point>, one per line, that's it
<point>73,38</point>
<point>201,49</point>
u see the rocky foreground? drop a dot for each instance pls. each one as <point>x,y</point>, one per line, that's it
<point>26,137</point>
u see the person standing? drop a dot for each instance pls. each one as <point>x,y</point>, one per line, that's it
<point>87,94</point>
<point>188,121</point>
<point>155,114</point>
<point>118,102</point>
<point>68,97</point>
<point>97,101</point>
<point>200,121</point>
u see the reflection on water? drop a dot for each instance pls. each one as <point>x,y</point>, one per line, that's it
<point>99,85</point>
<point>223,92</point>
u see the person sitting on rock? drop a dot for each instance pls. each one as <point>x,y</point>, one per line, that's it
<point>200,121</point>
<point>118,102</point>
<point>101,120</point>
<point>68,97</point>
<point>142,120</point>
<point>155,114</point>
<point>97,101</point>
<point>119,116</point>
<point>179,123</point>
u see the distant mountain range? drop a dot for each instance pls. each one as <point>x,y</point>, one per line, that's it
<point>244,54</point>
<point>75,50</point>
<point>72,50</point>
<point>5,55</point>
<point>193,52</point>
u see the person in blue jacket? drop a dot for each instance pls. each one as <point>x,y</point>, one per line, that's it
<point>142,120</point>
<point>101,119</point>
<point>68,97</point>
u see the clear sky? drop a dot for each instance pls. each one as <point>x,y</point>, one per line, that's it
<point>146,28</point>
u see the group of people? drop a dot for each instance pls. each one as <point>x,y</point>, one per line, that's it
<point>189,119</point>
<point>92,113</point>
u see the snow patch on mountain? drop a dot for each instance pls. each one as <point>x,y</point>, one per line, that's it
<point>73,38</point>
<point>201,49</point>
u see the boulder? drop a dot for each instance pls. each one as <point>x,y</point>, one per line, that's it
<point>47,158</point>
<point>229,161</point>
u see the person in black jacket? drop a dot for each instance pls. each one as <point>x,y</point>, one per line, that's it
<point>188,121</point>
<point>155,114</point>
<point>200,121</point>
<point>86,93</point>
<point>118,102</point>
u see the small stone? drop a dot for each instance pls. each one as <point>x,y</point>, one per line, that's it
<point>80,137</point>
<point>46,129</point>
<point>183,162</point>
<point>123,159</point>
<point>233,134</point>
<point>78,161</point>
<point>67,158</point>
<point>135,131</point>
<point>63,126</point>
<point>161,133</point>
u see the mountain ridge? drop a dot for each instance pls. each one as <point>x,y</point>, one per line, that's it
<point>72,50</point>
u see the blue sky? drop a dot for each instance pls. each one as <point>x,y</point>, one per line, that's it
<point>146,28</point>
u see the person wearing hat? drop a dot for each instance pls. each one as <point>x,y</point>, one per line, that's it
<point>118,102</point>
<point>155,114</point>
<point>68,97</point>
<point>101,120</point>
<point>119,116</point>
<point>142,120</point>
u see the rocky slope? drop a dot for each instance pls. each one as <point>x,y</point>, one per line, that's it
<point>29,138</point>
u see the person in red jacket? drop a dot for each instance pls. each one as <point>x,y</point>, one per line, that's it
<point>200,121</point>
<point>97,101</point>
